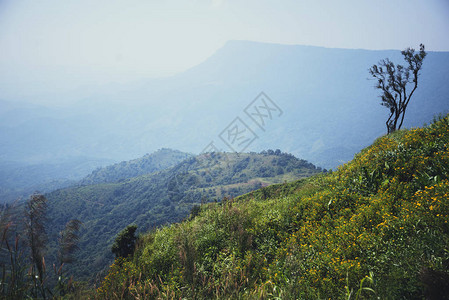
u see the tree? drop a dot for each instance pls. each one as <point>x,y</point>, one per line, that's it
<point>125,242</point>
<point>394,80</point>
<point>35,214</point>
<point>195,211</point>
<point>68,242</point>
<point>28,278</point>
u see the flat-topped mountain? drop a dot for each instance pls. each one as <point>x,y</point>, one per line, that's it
<point>330,108</point>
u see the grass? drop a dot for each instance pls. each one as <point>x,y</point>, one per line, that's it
<point>375,228</point>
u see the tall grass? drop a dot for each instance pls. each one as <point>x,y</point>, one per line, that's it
<point>384,213</point>
<point>24,271</point>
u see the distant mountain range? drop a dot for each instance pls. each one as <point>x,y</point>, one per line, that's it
<point>159,198</point>
<point>19,180</point>
<point>326,112</point>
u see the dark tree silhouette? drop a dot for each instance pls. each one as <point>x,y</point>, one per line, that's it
<point>394,81</point>
<point>35,214</point>
<point>68,242</point>
<point>125,242</point>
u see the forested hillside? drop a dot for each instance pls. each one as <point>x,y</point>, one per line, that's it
<point>19,180</point>
<point>324,95</point>
<point>377,228</point>
<point>161,198</point>
<point>159,160</point>
<point>51,147</point>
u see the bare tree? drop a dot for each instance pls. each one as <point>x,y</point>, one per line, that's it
<point>395,81</point>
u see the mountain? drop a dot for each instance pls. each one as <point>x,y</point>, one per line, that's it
<point>160,198</point>
<point>328,109</point>
<point>19,180</point>
<point>377,228</point>
<point>149,163</point>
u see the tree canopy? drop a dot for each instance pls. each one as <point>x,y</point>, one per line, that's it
<point>394,81</point>
<point>125,242</point>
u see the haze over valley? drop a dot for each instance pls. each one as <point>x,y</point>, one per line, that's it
<point>328,105</point>
<point>222,149</point>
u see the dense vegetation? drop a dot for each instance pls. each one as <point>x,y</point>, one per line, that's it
<point>383,215</point>
<point>152,200</point>
<point>150,163</point>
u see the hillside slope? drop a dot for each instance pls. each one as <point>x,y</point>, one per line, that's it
<point>328,105</point>
<point>324,95</point>
<point>150,163</point>
<point>161,198</point>
<point>19,180</point>
<point>384,215</point>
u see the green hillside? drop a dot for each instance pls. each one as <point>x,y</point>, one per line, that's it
<point>161,198</point>
<point>384,215</point>
<point>150,163</point>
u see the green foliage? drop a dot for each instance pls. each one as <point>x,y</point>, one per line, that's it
<point>125,242</point>
<point>150,163</point>
<point>160,198</point>
<point>361,289</point>
<point>385,214</point>
<point>195,211</point>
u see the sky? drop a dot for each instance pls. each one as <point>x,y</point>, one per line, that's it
<point>54,47</point>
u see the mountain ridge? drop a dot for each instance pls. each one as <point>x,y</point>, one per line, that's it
<point>147,164</point>
<point>162,197</point>
<point>376,228</point>
<point>331,111</point>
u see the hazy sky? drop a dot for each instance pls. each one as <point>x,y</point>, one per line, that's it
<point>54,46</point>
